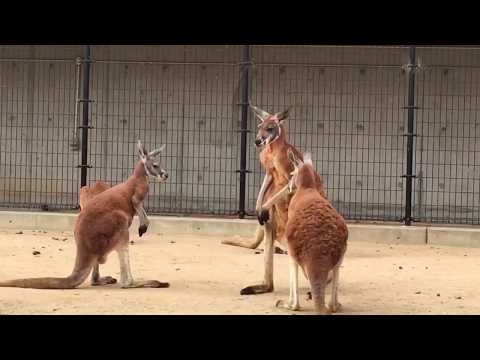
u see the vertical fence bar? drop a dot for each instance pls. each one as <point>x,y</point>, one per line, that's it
<point>85,120</point>
<point>410,135</point>
<point>245,68</point>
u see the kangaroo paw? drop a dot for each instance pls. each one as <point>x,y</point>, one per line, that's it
<point>142,229</point>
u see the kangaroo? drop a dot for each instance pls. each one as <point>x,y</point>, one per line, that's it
<point>272,136</point>
<point>283,145</point>
<point>102,226</point>
<point>316,236</point>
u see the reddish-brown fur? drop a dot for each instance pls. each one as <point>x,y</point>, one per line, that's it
<point>316,233</point>
<point>109,211</point>
<point>103,226</point>
<point>278,168</point>
<point>274,160</point>
<point>88,192</point>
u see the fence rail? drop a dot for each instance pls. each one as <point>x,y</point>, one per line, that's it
<point>393,130</point>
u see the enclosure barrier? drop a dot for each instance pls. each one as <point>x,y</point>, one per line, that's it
<point>393,130</point>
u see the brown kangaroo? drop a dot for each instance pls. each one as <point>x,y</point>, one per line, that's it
<point>102,226</point>
<point>272,158</point>
<point>272,136</point>
<point>316,236</point>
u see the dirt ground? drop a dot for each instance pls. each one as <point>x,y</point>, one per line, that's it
<point>206,278</point>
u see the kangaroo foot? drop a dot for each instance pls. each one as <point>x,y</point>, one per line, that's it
<point>256,289</point>
<point>335,307</point>
<point>287,305</point>
<point>106,280</point>
<point>146,284</point>
<point>323,311</point>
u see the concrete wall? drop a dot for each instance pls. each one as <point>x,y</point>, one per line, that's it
<point>37,102</point>
<point>349,111</point>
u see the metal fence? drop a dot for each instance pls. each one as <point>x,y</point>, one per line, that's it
<point>392,129</point>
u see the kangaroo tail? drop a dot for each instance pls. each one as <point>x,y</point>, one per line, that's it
<point>82,269</point>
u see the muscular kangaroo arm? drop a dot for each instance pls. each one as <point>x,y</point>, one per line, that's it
<point>142,217</point>
<point>283,193</point>
<point>266,182</point>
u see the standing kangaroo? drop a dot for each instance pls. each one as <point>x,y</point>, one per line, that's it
<point>274,159</point>
<point>266,135</point>
<point>316,236</point>
<point>102,226</point>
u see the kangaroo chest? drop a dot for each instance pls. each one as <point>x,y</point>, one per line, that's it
<point>277,167</point>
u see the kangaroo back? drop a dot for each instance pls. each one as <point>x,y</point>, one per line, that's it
<point>88,192</point>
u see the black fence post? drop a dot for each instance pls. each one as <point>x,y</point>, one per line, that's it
<point>412,66</point>
<point>85,119</point>
<point>245,68</point>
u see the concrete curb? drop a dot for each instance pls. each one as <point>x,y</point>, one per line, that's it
<point>468,237</point>
<point>391,234</point>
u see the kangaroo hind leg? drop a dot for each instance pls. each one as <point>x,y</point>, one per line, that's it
<point>334,303</point>
<point>97,280</point>
<point>126,278</point>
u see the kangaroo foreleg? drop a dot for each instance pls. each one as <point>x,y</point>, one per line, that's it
<point>143,219</point>
<point>279,196</point>
<point>263,212</point>
<point>267,180</point>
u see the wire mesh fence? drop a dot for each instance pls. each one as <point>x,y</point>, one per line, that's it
<point>37,92</point>
<point>184,97</point>
<point>350,109</point>
<point>447,187</point>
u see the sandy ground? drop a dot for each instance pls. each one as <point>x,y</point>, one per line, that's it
<point>206,278</point>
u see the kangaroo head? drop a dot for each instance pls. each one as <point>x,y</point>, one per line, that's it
<point>152,165</point>
<point>269,130</point>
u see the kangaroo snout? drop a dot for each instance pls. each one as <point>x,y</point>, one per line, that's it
<point>163,175</point>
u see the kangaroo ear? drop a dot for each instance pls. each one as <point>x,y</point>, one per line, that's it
<point>157,151</point>
<point>261,114</point>
<point>281,116</point>
<point>291,156</point>
<point>307,158</point>
<point>141,150</point>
